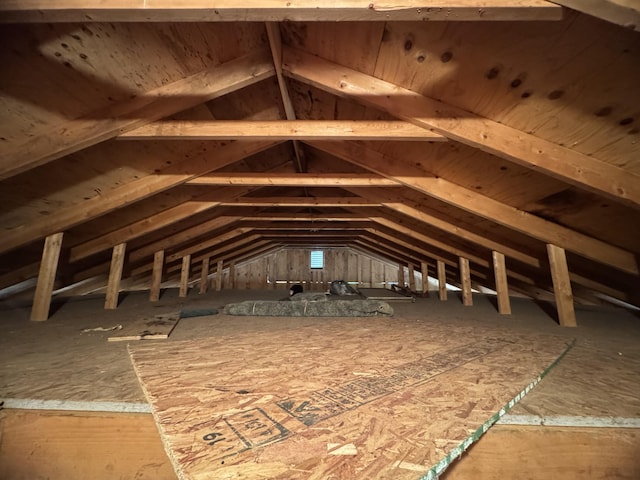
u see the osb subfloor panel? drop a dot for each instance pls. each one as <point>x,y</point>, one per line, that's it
<point>597,379</point>
<point>362,398</point>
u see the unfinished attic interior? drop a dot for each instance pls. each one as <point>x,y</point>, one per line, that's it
<point>472,165</point>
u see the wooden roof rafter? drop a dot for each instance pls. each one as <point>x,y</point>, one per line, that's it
<point>275,44</point>
<point>233,237</point>
<point>392,254</point>
<point>406,239</point>
<point>184,236</point>
<point>175,174</point>
<point>401,206</point>
<point>361,246</point>
<point>486,207</point>
<point>532,276</point>
<point>120,117</point>
<point>243,246</point>
<point>397,252</point>
<point>466,127</point>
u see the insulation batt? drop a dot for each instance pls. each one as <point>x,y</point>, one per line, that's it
<point>335,308</point>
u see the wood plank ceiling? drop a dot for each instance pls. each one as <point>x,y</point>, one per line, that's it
<point>427,132</point>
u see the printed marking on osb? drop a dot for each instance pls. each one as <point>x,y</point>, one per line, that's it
<point>243,431</point>
<point>335,400</point>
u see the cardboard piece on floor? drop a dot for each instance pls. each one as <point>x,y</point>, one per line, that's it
<point>148,328</point>
<point>356,398</point>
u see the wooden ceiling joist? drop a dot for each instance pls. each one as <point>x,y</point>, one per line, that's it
<point>282,130</point>
<point>25,11</point>
<point>313,218</point>
<point>294,180</point>
<point>466,127</point>
<point>260,223</point>
<point>299,202</point>
<point>118,118</point>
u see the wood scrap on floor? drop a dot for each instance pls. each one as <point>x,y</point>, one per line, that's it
<point>102,329</point>
<point>148,328</point>
<point>385,294</point>
<point>358,398</point>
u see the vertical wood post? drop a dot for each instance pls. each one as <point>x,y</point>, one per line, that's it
<point>184,276</point>
<point>424,270</point>
<point>288,269</point>
<point>156,276</point>
<point>232,273</point>
<point>400,275</point>
<point>412,277</point>
<point>46,277</point>
<point>561,285</point>
<point>219,274</point>
<point>502,287</point>
<point>115,275</point>
<point>204,275</point>
<point>371,273</point>
<point>442,280</point>
<point>465,280</point>
<point>272,269</point>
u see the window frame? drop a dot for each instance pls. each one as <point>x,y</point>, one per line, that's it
<point>315,253</point>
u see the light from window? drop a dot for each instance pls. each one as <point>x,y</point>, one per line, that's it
<point>317,259</point>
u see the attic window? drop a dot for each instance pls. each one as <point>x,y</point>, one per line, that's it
<point>317,259</point>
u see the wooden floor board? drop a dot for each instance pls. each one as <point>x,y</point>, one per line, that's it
<point>158,327</point>
<point>567,453</point>
<point>39,444</point>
